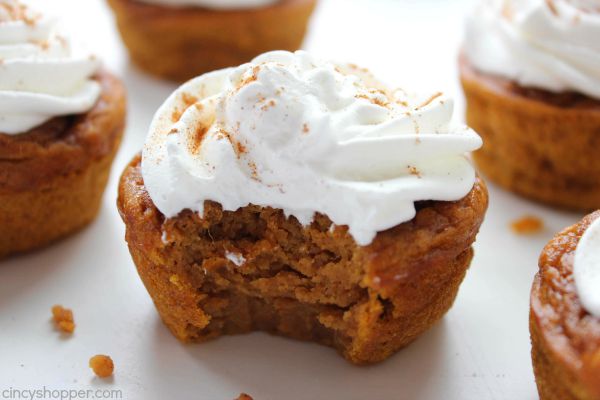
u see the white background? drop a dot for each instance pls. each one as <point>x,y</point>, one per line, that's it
<point>479,351</point>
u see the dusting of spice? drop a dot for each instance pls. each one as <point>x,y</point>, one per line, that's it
<point>240,149</point>
<point>42,44</point>
<point>507,10</point>
<point>13,10</point>
<point>429,100</point>
<point>552,7</point>
<point>414,171</point>
<point>250,78</point>
<point>198,138</point>
<point>187,100</point>
<point>270,103</point>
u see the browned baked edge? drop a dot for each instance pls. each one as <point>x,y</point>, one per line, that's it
<point>181,43</point>
<point>537,144</point>
<point>52,180</point>
<point>64,145</point>
<point>306,283</point>
<point>565,338</point>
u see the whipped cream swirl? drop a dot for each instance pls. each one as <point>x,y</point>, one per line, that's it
<point>39,77</point>
<point>216,4</point>
<point>546,44</point>
<point>586,269</point>
<point>292,132</point>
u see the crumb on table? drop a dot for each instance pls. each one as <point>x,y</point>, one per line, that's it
<point>527,225</point>
<point>102,365</point>
<point>63,318</point>
<point>244,396</point>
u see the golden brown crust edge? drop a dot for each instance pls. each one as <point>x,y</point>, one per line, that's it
<point>541,150</point>
<point>367,302</point>
<point>565,338</point>
<point>53,185</point>
<point>181,43</point>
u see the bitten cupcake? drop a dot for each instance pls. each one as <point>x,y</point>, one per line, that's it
<point>306,199</point>
<point>61,120</point>
<point>565,314</point>
<point>531,75</point>
<point>181,39</point>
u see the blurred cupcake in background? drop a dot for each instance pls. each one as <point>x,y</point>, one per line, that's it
<point>62,116</point>
<point>530,70</point>
<point>180,39</point>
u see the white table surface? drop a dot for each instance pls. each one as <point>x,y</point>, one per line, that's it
<point>480,350</point>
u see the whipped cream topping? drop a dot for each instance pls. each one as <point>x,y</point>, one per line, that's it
<point>215,4</point>
<point>39,77</point>
<point>546,44</point>
<point>586,269</point>
<point>296,133</point>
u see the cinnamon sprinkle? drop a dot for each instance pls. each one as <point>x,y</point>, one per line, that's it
<point>240,148</point>
<point>507,10</point>
<point>198,138</point>
<point>251,78</point>
<point>18,12</point>
<point>357,68</point>
<point>374,100</point>
<point>270,103</point>
<point>43,44</point>
<point>254,170</point>
<point>552,7</point>
<point>187,100</point>
<point>414,171</point>
<point>430,100</point>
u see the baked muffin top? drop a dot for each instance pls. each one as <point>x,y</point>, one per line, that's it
<point>560,308</point>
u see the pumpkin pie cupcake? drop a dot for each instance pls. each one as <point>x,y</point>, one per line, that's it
<point>61,121</point>
<point>565,314</point>
<point>530,73</point>
<point>180,39</point>
<point>306,199</point>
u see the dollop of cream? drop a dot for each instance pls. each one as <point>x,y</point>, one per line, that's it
<point>296,133</point>
<point>215,4</point>
<point>547,44</point>
<point>586,269</point>
<point>39,77</point>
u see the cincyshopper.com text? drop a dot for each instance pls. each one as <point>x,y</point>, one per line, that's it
<point>45,393</point>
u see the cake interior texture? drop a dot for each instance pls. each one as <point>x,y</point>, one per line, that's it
<point>254,269</point>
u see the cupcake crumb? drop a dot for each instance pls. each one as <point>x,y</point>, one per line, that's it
<point>63,319</point>
<point>244,396</point>
<point>527,225</point>
<point>102,365</point>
